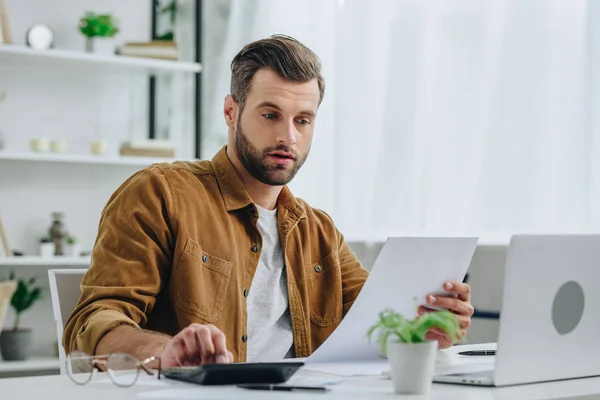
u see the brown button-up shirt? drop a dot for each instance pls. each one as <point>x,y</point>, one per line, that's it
<point>179,244</point>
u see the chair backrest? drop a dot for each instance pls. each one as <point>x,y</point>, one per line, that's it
<point>65,291</point>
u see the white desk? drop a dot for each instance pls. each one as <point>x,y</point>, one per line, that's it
<point>365,387</point>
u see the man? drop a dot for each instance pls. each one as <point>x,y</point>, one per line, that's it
<point>216,262</point>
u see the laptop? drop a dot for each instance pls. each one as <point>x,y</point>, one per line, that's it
<point>550,316</point>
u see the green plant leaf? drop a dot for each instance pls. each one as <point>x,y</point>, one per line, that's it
<point>444,320</point>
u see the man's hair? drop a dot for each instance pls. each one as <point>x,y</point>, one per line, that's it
<point>284,55</point>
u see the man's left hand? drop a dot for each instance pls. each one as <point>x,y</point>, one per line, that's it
<point>460,305</point>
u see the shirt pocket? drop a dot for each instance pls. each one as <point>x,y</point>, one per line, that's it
<point>201,282</point>
<point>325,291</point>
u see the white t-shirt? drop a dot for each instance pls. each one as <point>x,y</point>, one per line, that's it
<point>270,336</point>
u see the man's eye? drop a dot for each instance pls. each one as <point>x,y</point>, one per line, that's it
<point>303,121</point>
<point>270,116</point>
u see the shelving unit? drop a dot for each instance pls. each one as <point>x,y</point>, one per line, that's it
<point>77,59</point>
<point>33,366</point>
<point>82,159</point>
<point>33,261</point>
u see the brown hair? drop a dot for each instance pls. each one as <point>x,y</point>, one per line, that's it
<point>284,55</point>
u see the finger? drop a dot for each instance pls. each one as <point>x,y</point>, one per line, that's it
<point>178,349</point>
<point>220,345</point>
<point>190,344</point>
<point>462,289</point>
<point>450,303</point>
<point>424,310</point>
<point>432,336</point>
<point>230,357</point>
<point>207,349</point>
<point>464,322</point>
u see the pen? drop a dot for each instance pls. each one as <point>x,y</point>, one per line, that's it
<point>478,353</point>
<point>284,388</point>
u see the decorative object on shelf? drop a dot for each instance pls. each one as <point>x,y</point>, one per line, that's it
<point>40,144</point>
<point>47,247</point>
<point>4,247</point>
<point>73,248</point>
<point>5,31</point>
<point>7,288</point>
<point>411,356</point>
<point>15,344</point>
<point>40,37</point>
<point>58,146</point>
<point>148,148</point>
<point>169,9</point>
<point>99,147</point>
<point>100,30</point>
<point>159,49</point>
<point>58,233</point>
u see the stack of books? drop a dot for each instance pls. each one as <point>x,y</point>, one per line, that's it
<point>148,148</point>
<point>164,50</point>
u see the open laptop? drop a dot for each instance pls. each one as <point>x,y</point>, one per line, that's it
<point>550,316</point>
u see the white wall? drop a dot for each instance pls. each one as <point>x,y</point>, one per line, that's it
<point>78,107</point>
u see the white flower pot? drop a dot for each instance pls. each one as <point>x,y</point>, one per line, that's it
<point>47,249</point>
<point>101,45</point>
<point>73,250</point>
<point>412,366</point>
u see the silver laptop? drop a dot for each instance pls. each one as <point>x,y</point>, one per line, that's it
<point>550,315</point>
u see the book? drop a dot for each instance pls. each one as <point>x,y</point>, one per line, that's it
<point>155,49</point>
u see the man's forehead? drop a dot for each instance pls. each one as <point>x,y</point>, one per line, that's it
<point>268,86</point>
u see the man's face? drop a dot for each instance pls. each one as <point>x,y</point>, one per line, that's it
<point>273,133</point>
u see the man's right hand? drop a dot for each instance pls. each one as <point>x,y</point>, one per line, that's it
<point>196,345</point>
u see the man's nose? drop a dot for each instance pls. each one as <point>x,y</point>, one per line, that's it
<point>287,134</point>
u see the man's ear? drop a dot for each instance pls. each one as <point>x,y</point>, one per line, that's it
<point>230,111</point>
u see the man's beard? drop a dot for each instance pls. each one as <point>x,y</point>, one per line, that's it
<point>255,161</point>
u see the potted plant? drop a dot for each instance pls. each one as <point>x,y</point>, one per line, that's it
<point>411,356</point>
<point>100,31</point>
<point>73,248</point>
<point>47,247</point>
<point>15,343</point>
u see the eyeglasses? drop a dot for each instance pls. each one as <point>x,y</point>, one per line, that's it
<point>122,369</point>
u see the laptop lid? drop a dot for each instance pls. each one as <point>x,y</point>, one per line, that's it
<point>550,309</point>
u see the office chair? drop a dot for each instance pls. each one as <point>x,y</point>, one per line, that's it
<point>65,291</point>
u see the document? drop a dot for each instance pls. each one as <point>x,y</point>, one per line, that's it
<point>405,272</point>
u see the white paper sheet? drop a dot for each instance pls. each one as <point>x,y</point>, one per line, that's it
<point>406,269</point>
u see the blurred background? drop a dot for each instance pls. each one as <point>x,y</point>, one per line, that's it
<point>464,117</point>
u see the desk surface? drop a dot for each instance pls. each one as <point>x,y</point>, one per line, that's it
<point>371,387</point>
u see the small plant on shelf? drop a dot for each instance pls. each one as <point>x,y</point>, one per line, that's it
<point>25,296</point>
<point>15,343</point>
<point>98,25</point>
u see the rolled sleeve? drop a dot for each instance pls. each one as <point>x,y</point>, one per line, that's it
<point>131,261</point>
<point>96,326</point>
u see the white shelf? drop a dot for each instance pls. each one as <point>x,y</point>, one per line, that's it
<point>31,365</point>
<point>58,261</point>
<point>82,159</point>
<point>62,58</point>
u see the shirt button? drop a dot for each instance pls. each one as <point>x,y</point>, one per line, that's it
<point>318,268</point>
<point>255,248</point>
<point>244,338</point>
<point>205,258</point>
<point>246,293</point>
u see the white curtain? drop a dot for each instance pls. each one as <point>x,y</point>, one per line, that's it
<point>463,116</point>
